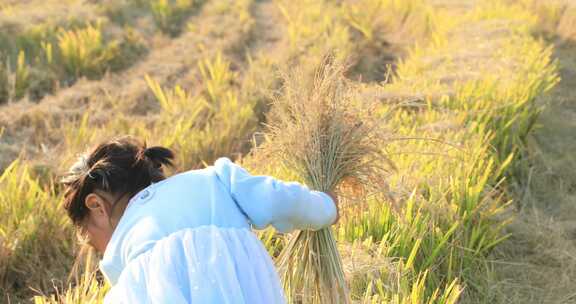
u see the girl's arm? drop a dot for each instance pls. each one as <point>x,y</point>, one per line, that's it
<point>269,201</point>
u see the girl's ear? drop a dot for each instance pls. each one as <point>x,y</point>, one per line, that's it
<point>97,205</point>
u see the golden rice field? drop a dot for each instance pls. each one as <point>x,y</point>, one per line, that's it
<point>471,103</point>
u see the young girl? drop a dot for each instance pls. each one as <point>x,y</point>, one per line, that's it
<point>186,238</point>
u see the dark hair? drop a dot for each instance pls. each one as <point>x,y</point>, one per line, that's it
<point>120,166</point>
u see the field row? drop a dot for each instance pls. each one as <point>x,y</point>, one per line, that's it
<point>50,45</point>
<point>453,113</point>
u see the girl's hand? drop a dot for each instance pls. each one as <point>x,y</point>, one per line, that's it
<point>335,199</point>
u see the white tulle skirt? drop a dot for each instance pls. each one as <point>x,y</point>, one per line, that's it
<point>201,265</point>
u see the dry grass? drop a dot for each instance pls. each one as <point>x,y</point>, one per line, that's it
<point>33,231</point>
<point>538,265</point>
<point>461,102</point>
<point>321,130</point>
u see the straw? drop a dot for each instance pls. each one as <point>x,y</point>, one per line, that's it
<point>323,131</point>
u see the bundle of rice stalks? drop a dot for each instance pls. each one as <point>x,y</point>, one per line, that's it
<point>322,131</point>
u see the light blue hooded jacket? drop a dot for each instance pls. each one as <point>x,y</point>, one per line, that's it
<point>224,195</point>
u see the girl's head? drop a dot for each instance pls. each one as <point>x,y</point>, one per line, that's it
<point>101,182</point>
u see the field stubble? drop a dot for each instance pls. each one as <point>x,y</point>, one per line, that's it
<point>458,104</point>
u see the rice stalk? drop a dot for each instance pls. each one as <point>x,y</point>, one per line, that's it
<point>321,130</point>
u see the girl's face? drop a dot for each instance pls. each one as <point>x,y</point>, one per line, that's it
<point>105,211</point>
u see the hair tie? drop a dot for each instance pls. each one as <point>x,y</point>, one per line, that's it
<point>86,168</point>
<point>146,152</point>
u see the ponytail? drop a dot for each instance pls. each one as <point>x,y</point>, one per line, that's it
<point>157,155</point>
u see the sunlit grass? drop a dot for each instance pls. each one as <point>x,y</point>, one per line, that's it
<point>32,231</point>
<point>86,288</point>
<point>376,17</point>
<point>424,234</point>
<point>170,14</point>
<point>313,28</point>
<point>84,52</point>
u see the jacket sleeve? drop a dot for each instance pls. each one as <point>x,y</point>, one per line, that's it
<point>269,201</point>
